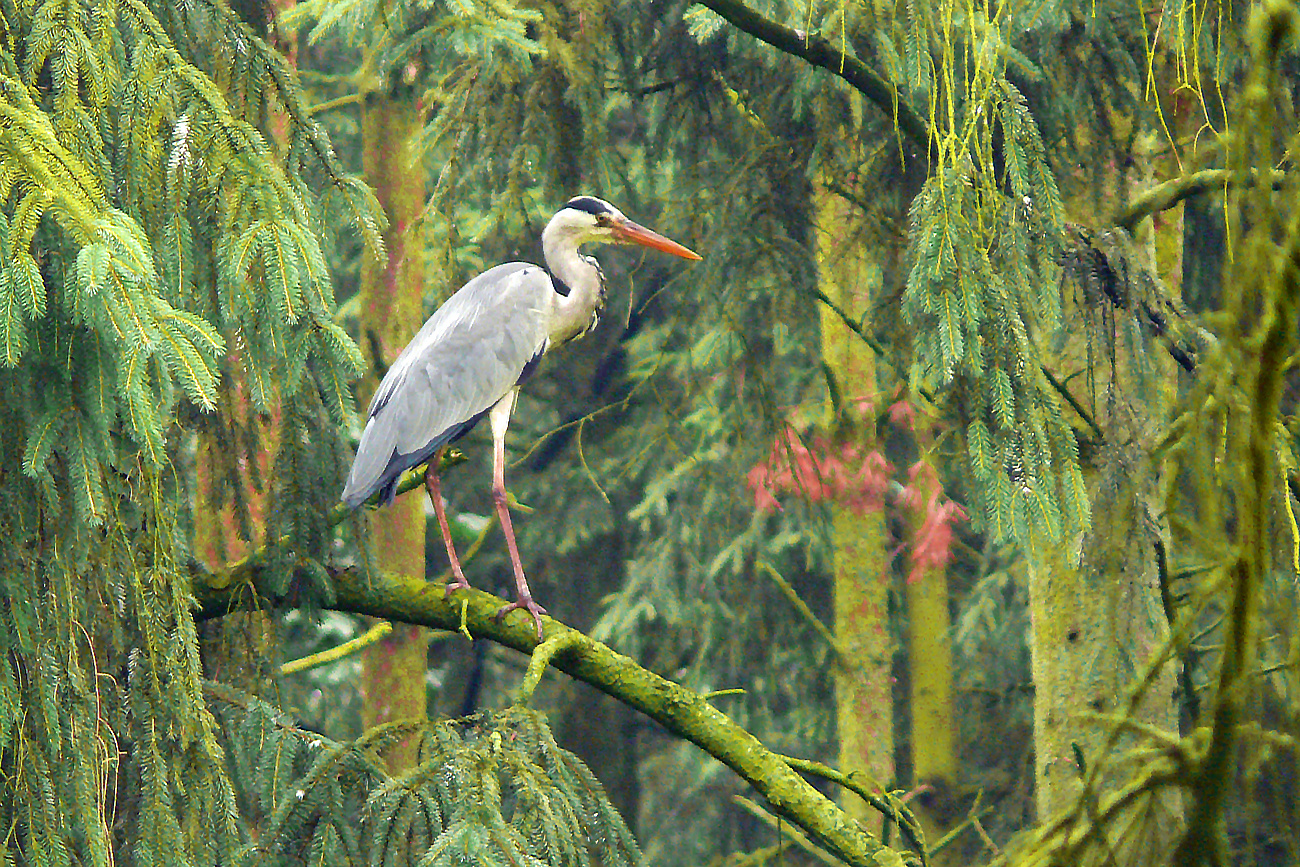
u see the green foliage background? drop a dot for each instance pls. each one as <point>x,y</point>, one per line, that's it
<point>176,219</point>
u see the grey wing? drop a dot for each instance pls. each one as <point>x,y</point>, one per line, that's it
<point>470,353</point>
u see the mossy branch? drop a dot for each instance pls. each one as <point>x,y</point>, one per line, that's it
<point>681,711</point>
<point>1274,339</point>
<point>1164,196</point>
<point>342,651</point>
<point>889,806</point>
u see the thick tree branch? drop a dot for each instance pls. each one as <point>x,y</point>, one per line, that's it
<point>821,53</point>
<point>1164,196</point>
<point>681,711</point>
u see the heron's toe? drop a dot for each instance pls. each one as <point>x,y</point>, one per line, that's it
<point>525,603</point>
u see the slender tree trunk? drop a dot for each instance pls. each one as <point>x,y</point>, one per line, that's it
<point>391,310</point>
<point>1094,627</point>
<point>239,649</point>
<point>863,682</point>
<point>929,654</point>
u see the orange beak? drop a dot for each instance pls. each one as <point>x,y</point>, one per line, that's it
<point>628,232</point>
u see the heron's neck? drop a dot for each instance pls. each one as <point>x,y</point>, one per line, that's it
<point>575,313</point>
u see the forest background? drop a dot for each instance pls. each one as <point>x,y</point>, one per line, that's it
<point>945,513</point>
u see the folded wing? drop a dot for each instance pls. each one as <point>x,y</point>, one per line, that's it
<point>469,355</point>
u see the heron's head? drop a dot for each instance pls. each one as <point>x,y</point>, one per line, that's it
<point>587,219</point>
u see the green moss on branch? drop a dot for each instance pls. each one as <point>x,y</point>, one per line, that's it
<point>681,711</point>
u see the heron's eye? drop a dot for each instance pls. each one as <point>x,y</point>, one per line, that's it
<point>602,220</point>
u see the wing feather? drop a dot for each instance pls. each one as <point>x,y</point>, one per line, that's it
<point>468,355</point>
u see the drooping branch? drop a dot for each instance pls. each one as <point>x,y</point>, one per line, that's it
<point>1268,293</point>
<point>819,52</point>
<point>681,711</point>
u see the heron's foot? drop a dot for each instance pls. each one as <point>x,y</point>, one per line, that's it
<point>525,603</point>
<point>458,583</point>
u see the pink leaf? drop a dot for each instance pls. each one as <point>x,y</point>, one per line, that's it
<point>902,413</point>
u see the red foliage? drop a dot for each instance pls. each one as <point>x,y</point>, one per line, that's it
<point>858,478</point>
<point>840,474</point>
<point>932,541</point>
<point>902,413</point>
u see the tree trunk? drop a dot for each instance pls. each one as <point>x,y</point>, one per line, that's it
<point>1094,627</point>
<point>391,311</point>
<point>863,681</point>
<point>1095,603</point>
<point>223,457</point>
<point>929,654</point>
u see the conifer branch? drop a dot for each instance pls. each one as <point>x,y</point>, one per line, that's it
<point>819,52</point>
<point>284,77</point>
<point>681,711</point>
<point>867,338</point>
<point>227,694</point>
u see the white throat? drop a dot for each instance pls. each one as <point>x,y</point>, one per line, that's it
<point>575,314</point>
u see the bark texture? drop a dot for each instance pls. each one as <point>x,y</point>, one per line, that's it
<point>391,311</point>
<point>863,683</point>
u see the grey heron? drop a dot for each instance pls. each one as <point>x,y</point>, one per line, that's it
<point>471,356</point>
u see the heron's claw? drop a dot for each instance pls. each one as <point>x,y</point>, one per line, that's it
<point>525,603</point>
<point>452,586</point>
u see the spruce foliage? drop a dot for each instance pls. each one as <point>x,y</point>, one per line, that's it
<point>160,266</point>
<point>982,283</point>
<point>488,789</point>
<point>150,241</point>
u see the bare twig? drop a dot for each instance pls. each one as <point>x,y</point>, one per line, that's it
<point>802,607</point>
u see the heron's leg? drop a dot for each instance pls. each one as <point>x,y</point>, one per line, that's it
<point>434,485</point>
<point>500,419</point>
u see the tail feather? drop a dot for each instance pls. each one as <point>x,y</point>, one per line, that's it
<point>371,469</point>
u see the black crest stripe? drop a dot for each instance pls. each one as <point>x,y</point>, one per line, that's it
<point>590,204</point>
